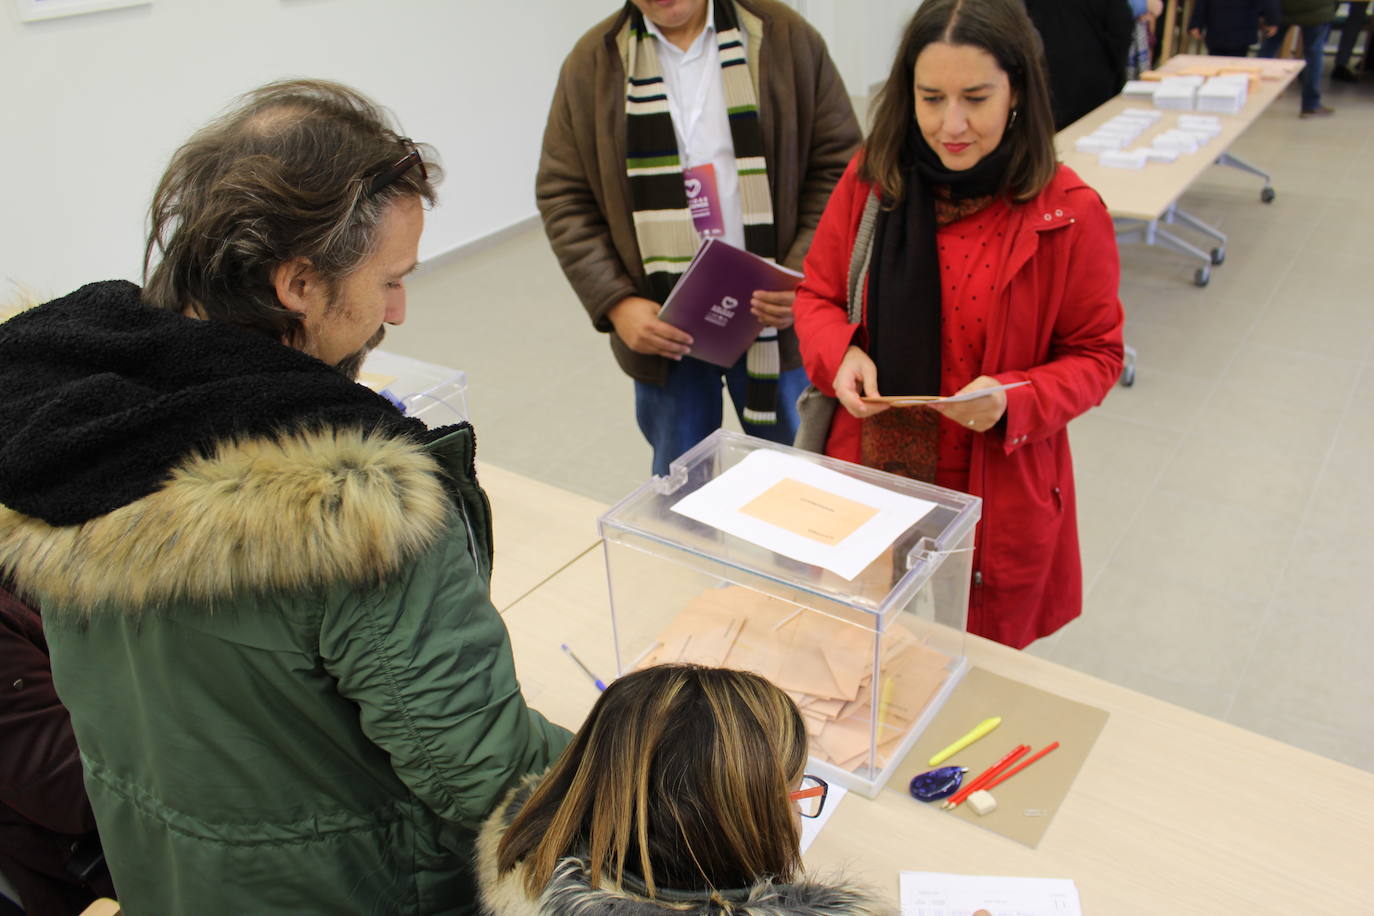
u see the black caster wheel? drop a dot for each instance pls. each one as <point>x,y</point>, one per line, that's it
<point>1219,255</point>
<point>1203,276</point>
<point>1267,195</point>
<point>1127,377</point>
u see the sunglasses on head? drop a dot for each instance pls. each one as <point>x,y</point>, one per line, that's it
<point>390,174</point>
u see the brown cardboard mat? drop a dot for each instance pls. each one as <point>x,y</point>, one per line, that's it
<point>1027,802</point>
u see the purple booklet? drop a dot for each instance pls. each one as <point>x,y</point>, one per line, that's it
<point>711,300</point>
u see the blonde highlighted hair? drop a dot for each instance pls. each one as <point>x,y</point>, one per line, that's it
<point>680,775</point>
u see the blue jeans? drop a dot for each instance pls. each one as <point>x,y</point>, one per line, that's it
<point>679,414</point>
<point>1313,51</point>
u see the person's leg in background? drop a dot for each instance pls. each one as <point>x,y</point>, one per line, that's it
<point>790,386</point>
<point>1218,51</point>
<point>679,414</point>
<point>1350,33</point>
<point>1269,47</point>
<point>1314,51</point>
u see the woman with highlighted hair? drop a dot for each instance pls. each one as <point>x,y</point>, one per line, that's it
<point>955,255</point>
<point>683,793</point>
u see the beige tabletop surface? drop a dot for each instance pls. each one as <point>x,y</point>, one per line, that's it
<point>1146,193</point>
<point>538,529</point>
<point>1172,813</point>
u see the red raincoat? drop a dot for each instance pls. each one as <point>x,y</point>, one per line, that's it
<point>1057,321</point>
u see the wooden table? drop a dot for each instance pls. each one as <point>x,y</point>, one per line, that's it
<point>1173,812</point>
<point>1141,200</point>
<point>538,529</point>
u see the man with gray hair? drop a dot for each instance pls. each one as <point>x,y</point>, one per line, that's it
<point>265,590</point>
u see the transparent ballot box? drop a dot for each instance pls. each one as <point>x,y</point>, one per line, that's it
<point>436,395</point>
<point>869,651</point>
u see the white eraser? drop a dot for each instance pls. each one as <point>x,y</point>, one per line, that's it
<point>1157,154</point>
<point>982,802</point>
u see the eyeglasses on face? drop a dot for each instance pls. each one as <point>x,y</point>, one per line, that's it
<point>389,175</point>
<point>810,798</point>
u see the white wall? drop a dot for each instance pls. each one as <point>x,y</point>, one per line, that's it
<point>92,106</point>
<point>862,36</point>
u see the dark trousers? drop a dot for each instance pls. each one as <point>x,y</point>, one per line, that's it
<point>1313,51</point>
<point>676,416</point>
<point>1218,51</point>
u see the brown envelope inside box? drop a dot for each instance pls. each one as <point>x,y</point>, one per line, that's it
<point>822,663</point>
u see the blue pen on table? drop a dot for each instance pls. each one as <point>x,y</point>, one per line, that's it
<point>600,685</point>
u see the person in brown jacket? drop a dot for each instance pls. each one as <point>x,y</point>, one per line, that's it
<point>675,121</point>
<point>49,850</point>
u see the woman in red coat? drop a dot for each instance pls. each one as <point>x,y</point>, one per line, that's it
<point>978,261</point>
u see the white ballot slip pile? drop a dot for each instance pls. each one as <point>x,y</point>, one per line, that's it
<point>845,586</point>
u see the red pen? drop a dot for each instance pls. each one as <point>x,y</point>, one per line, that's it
<point>1034,757</point>
<point>987,775</point>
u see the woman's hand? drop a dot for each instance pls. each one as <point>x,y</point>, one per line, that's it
<point>857,377</point>
<point>979,414</point>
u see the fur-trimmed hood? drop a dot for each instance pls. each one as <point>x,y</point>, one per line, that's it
<point>284,513</point>
<point>147,458</point>
<point>569,892</point>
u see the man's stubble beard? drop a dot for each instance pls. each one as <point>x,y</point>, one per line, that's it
<point>352,364</point>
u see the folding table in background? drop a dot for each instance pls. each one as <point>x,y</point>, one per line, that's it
<point>1143,201</point>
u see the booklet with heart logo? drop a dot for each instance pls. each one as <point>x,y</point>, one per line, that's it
<point>711,300</point>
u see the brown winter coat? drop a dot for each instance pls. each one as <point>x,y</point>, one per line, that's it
<point>809,133</point>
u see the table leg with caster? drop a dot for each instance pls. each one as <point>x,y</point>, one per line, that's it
<point>1235,162</point>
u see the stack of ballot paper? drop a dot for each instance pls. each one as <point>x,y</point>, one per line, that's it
<point>1124,159</point>
<point>1207,126</point>
<point>824,664</point>
<point>1178,142</point>
<point>1178,92</point>
<point>1226,94</point>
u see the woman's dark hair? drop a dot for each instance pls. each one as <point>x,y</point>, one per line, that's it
<point>680,775</point>
<point>1002,29</point>
<point>286,173</point>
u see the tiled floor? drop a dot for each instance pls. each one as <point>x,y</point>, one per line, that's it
<point>1227,499</point>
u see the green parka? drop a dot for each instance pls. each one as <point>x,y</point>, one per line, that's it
<point>289,687</point>
<point>1308,12</point>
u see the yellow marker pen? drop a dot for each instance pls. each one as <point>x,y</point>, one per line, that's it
<point>979,730</point>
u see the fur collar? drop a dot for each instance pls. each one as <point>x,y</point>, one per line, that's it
<point>284,512</point>
<point>569,892</point>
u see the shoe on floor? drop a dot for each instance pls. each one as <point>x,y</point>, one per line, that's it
<point>1320,111</point>
<point>1344,75</point>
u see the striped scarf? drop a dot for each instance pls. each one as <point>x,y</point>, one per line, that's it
<point>663,224</point>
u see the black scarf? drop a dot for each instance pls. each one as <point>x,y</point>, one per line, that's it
<point>101,396</point>
<point>904,276</point>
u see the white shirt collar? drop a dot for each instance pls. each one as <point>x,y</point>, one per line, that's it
<point>707,33</point>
